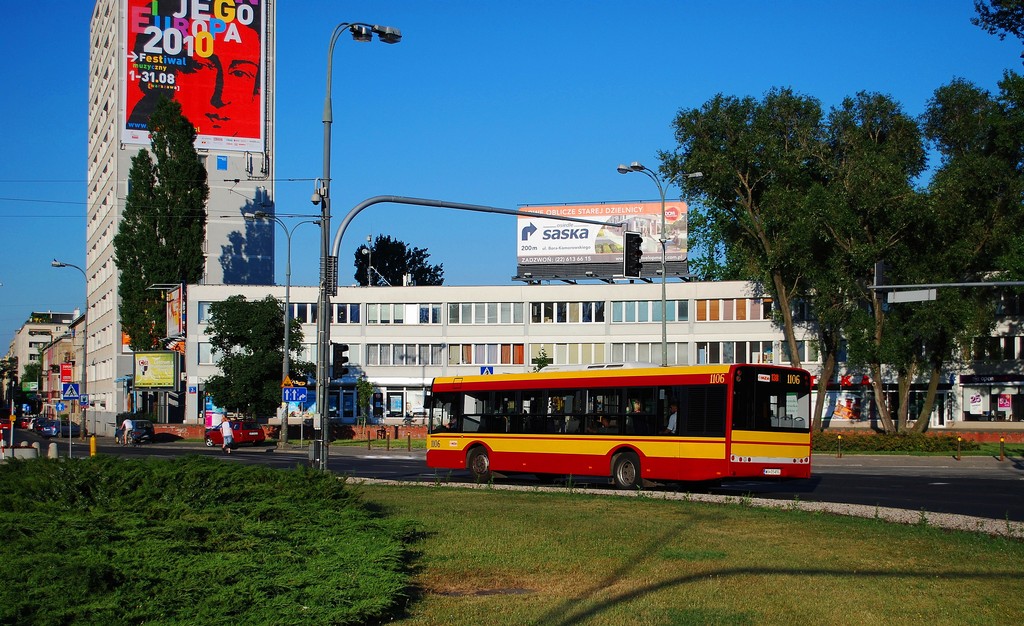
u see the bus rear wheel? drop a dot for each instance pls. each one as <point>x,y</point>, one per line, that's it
<point>479,464</point>
<point>626,470</point>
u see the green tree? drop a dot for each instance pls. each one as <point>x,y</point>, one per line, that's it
<point>364,395</point>
<point>32,372</point>
<point>541,361</point>
<point>248,338</point>
<point>758,159</point>
<point>975,198</point>
<point>163,225</point>
<point>1000,17</point>
<point>872,211</point>
<point>392,260</point>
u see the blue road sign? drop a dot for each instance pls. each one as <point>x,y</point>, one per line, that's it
<point>59,406</point>
<point>487,369</point>
<point>69,391</point>
<point>83,400</point>
<point>293,394</point>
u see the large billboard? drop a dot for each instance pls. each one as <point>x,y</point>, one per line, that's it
<point>556,240</point>
<point>209,56</point>
<point>155,370</point>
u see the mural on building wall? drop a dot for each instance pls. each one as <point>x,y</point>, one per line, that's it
<point>209,57</point>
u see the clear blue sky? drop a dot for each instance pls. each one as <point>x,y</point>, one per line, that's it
<point>484,102</point>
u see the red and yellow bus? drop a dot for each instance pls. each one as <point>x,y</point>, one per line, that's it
<point>629,423</point>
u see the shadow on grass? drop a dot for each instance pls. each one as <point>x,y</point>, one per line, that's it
<point>571,611</point>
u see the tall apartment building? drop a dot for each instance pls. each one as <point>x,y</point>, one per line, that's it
<point>135,58</point>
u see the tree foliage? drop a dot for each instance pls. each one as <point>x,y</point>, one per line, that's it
<point>758,160</point>
<point>804,205</point>
<point>1000,17</point>
<point>248,338</point>
<point>392,260</point>
<point>163,225</point>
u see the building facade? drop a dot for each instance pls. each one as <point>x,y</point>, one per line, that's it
<point>400,338</point>
<point>126,73</point>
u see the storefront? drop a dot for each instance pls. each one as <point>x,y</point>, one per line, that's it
<point>992,397</point>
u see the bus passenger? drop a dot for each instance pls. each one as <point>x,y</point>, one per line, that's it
<point>604,425</point>
<point>673,410</point>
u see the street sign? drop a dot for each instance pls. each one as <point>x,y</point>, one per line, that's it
<point>294,394</point>
<point>287,382</point>
<point>84,400</point>
<point>69,391</point>
<point>486,369</point>
<point>912,295</point>
<point>65,372</point>
<point>59,406</point>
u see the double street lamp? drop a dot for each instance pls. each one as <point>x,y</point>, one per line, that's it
<point>328,264</point>
<point>262,215</point>
<point>85,350</point>
<point>636,166</point>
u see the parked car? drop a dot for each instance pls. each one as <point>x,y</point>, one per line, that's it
<point>242,431</point>
<point>143,431</point>
<point>25,421</point>
<point>58,428</point>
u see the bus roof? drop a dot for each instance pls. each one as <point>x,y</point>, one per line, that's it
<point>645,374</point>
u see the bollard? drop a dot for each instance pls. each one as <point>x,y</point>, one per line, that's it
<point>958,440</point>
<point>51,451</point>
<point>367,439</point>
<point>408,442</point>
<point>840,454</point>
<point>92,445</point>
<point>1002,449</point>
<point>387,442</point>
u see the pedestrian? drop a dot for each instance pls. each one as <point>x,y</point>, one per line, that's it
<point>225,431</point>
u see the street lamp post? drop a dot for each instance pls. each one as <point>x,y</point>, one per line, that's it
<point>85,354</point>
<point>635,166</point>
<point>261,215</point>
<point>329,264</point>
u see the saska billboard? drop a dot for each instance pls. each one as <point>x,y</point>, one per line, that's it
<point>209,56</point>
<point>560,241</point>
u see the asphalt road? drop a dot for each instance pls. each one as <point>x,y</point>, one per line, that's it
<point>975,486</point>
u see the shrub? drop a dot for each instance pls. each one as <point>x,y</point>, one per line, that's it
<point>109,540</point>
<point>888,442</point>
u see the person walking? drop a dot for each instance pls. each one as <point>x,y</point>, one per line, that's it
<point>225,431</point>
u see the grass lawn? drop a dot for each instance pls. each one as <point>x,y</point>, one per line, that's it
<point>537,557</point>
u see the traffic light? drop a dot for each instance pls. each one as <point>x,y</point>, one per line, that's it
<point>632,256</point>
<point>880,278</point>
<point>338,359</point>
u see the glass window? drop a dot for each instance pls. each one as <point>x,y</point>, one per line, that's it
<point>204,311</point>
<point>492,312</point>
<point>206,354</point>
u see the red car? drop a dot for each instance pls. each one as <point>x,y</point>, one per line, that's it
<point>246,431</point>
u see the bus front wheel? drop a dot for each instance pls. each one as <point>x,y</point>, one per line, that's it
<point>626,470</point>
<point>479,464</point>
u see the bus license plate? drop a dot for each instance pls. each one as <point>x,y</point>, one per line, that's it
<point>772,471</point>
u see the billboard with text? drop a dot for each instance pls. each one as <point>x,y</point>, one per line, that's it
<point>557,240</point>
<point>208,56</point>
